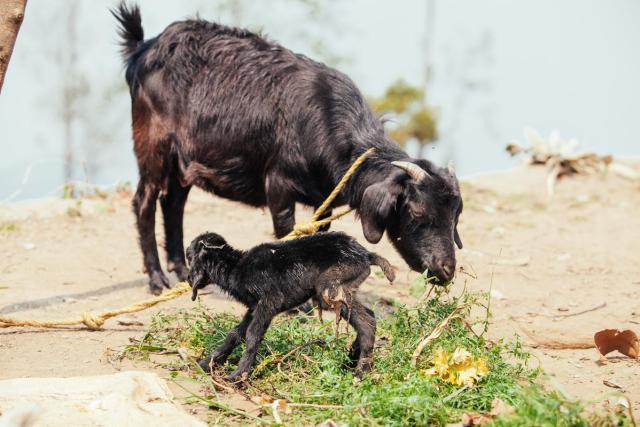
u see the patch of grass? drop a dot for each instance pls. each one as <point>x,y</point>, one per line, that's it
<point>302,361</point>
<point>8,226</point>
<point>75,211</point>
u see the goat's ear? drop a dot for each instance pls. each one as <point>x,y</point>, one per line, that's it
<point>197,278</point>
<point>377,203</point>
<point>456,238</point>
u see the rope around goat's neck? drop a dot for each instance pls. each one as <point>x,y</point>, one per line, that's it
<point>314,223</point>
<point>95,323</point>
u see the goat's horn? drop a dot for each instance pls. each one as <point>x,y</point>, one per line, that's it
<point>450,167</point>
<point>414,171</point>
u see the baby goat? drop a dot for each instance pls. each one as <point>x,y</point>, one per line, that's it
<point>275,277</point>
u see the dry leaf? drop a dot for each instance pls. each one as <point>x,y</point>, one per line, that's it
<point>470,419</point>
<point>499,407</point>
<point>626,342</point>
<point>459,367</point>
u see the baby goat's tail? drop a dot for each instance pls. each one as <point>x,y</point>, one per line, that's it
<point>386,267</point>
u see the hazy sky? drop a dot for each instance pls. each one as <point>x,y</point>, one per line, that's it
<point>497,66</point>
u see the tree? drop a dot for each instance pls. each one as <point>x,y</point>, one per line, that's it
<point>413,118</point>
<point>11,16</point>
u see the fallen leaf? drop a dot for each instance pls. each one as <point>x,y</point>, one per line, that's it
<point>458,368</point>
<point>470,419</point>
<point>499,407</point>
<point>626,342</point>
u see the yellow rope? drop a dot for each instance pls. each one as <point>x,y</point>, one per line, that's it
<point>95,322</point>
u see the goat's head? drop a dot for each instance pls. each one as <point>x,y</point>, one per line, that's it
<point>202,256</point>
<point>419,205</point>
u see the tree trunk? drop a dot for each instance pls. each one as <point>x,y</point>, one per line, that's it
<point>11,15</point>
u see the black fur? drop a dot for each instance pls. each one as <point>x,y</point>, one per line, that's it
<point>247,119</point>
<point>275,277</point>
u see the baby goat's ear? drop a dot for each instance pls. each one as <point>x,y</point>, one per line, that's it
<point>198,277</point>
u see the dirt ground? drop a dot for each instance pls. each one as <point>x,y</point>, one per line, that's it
<point>546,265</point>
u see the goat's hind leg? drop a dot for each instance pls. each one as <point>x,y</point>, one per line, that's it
<point>172,202</point>
<point>234,337</point>
<point>364,322</point>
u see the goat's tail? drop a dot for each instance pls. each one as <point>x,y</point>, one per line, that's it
<point>130,31</point>
<point>386,267</point>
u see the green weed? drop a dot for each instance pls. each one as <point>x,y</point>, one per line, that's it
<point>302,361</point>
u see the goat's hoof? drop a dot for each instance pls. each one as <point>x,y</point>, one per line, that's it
<point>205,364</point>
<point>237,376</point>
<point>158,282</point>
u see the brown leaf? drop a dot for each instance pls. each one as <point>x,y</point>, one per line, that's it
<point>499,407</point>
<point>470,419</point>
<point>626,342</point>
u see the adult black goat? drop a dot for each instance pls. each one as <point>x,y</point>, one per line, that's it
<point>246,119</point>
<point>275,277</point>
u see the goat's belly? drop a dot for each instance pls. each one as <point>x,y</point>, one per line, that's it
<point>239,189</point>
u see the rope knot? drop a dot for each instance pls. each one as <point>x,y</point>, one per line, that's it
<point>91,322</point>
<point>305,229</point>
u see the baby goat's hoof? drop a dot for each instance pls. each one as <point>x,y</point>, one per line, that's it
<point>237,376</point>
<point>205,364</point>
<point>363,367</point>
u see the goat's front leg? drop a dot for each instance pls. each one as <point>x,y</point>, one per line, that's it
<point>281,205</point>
<point>326,214</point>
<point>144,207</point>
<point>234,337</point>
<point>255,333</point>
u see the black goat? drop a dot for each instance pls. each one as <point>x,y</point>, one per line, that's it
<point>275,277</point>
<point>246,119</point>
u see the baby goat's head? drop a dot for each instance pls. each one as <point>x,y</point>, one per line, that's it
<point>203,255</point>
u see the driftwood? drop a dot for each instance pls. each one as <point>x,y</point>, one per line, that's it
<point>558,156</point>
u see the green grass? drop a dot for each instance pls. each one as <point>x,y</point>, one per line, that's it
<point>8,226</point>
<point>395,393</point>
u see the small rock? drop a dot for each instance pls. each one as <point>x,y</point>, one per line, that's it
<point>69,300</point>
<point>29,246</point>
<point>564,257</point>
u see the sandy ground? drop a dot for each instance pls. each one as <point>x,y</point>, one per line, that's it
<point>545,263</point>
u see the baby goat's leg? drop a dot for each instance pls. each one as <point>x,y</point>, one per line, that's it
<point>257,328</point>
<point>364,322</point>
<point>234,337</point>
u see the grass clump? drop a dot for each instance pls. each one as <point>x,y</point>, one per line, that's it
<point>302,362</point>
<point>8,226</point>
